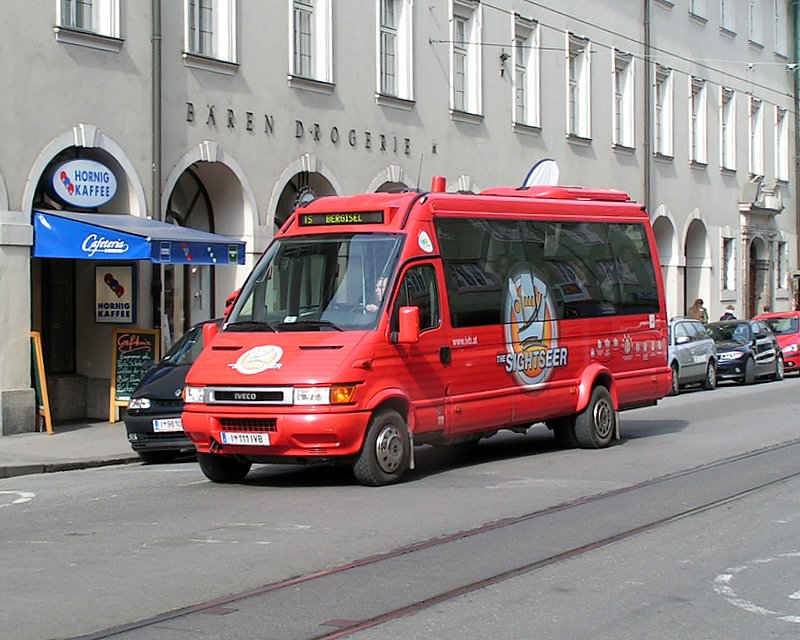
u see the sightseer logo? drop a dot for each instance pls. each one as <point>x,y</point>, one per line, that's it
<point>531,330</point>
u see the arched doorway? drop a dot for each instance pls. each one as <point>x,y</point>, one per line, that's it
<point>664,231</point>
<point>696,275</point>
<point>301,188</point>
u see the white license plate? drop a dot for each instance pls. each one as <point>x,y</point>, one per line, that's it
<point>245,439</point>
<point>167,424</point>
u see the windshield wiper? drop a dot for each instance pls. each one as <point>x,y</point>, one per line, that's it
<point>311,323</point>
<point>250,325</point>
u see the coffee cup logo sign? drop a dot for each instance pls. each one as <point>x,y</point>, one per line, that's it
<point>85,184</point>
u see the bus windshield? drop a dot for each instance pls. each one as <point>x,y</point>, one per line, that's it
<point>318,283</point>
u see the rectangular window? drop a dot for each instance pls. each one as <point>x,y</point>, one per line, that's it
<point>210,29</point>
<point>466,56</point>
<point>698,121</point>
<point>578,87</point>
<point>311,37</point>
<point>781,270</point>
<point>727,13</point>
<point>526,72</point>
<point>756,122</point>
<point>781,144</point>
<point>756,28</point>
<point>728,269</point>
<point>586,269</point>
<point>623,99</point>
<point>96,16</point>
<point>727,129</point>
<point>697,8</point>
<point>662,118</point>
<point>395,48</point>
<point>780,28</point>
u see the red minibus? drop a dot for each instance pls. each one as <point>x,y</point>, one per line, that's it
<point>377,322</point>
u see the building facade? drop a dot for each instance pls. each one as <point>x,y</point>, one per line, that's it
<point>223,115</point>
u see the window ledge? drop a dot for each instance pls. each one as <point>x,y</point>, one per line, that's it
<point>309,84</point>
<point>529,129</point>
<point>465,116</point>
<point>697,164</point>
<point>663,157</point>
<point>624,148</point>
<point>728,171</point>
<point>68,35</point>
<point>666,3</point>
<point>755,45</point>
<point>206,63</point>
<point>574,138</point>
<point>385,100</point>
<point>701,20</point>
<point>727,32</point>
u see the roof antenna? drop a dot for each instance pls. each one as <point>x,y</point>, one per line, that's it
<point>419,171</point>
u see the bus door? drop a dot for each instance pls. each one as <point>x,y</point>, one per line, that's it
<point>421,368</point>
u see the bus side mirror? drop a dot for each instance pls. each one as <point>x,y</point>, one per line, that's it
<point>409,325</point>
<point>210,329</point>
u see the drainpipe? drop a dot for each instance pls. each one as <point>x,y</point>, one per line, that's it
<point>796,19</point>
<point>156,289</point>
<point>648,119</point>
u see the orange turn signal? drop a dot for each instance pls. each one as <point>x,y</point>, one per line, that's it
<point>342,394</point>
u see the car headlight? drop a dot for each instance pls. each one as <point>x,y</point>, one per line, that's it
<point>336,394</point>
<point>791,348</point>
<point>732,355</point>
<point>194,395</point>
<point>139,403</point>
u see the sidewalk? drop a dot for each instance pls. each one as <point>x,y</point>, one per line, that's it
<point>71,446</point>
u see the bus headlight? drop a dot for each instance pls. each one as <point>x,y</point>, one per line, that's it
<point>194,395</point>
<point>336,394</point>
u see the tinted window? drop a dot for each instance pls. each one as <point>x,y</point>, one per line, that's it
<point>590,269</point>
<point>418,289</point>
<point>781,326</point>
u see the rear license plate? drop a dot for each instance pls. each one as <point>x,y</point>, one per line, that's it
<point>245,439</point>
<point>167,424</point>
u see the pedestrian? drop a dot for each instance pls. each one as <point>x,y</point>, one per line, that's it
<point>698,312</point>
<point>729,313</point>
<point>767,308</point>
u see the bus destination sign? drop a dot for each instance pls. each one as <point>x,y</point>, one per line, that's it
<point>331,219</point>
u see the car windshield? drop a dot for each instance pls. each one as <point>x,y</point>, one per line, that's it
<point>784,325</point>
<point>187,348</point>
<point>738,332</point>
<point>318,283</point>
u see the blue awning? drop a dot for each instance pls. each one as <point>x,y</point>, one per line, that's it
<point>106,236</point>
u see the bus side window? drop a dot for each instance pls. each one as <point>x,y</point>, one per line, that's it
<point>418,289</point>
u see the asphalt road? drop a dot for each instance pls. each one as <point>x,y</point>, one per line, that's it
<point>687,528</point>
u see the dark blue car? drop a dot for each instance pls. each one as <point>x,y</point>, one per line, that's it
<point>746,350</point>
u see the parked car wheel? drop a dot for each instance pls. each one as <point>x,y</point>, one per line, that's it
<point>749,375</point>
<point>675,386</point>
<point>710,381</point>
<point>594,426</point>
<point>779,371</point>
<point>223,469</point>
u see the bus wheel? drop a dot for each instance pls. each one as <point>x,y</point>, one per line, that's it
<point>224,469</point>
<point>386,451</point>
<point>564,432</point>
<point>594,426</point>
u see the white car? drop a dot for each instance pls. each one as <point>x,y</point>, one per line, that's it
<point>692,355</point>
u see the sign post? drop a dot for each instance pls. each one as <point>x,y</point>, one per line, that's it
<point>40,383</point>
<point>133,351</point>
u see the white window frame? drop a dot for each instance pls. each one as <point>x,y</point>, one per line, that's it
<point>727,15</point>
<point>756,128</point>
<point>697,8</point>
<point>578,77</point>
<point>466,56</point>
<point>320,54</point>
<point>779,27</point>
<point>756,33</point>
<point>623,99</point>
<point>663,105</point>
<point>222,30</point>
<point>395,77</point>
<point>102,16</point>
<point>526,81</point>
<point>728,264</point>
<point>727,128</point>
<point>698,120</point>
<point>782,162</point>
<point>781,264</point>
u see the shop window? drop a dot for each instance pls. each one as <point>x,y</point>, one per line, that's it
<point>312,41</point>
<point>210,33</point>
<point>781,272</point>
<point>728,269</point>
<point>395,41</point>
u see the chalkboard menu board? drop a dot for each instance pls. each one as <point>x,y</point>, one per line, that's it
<point>133,350</point>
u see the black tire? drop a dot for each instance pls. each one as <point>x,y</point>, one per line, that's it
<point>223,469</point>
<point>674,387</point>
<point>749,375</point>
<point>564,432</point>
<point>594,426</point>
<point>779,370</point>
<point>386,451</point>
<point>710,381</point>
<point>157,457</point>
